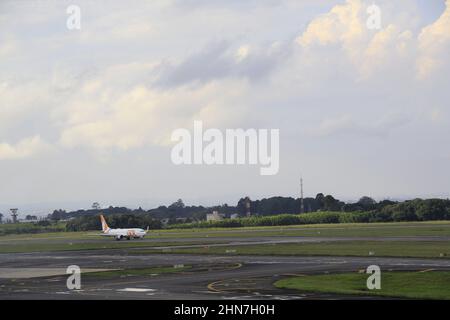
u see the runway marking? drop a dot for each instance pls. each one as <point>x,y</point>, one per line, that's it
<point>203,291</point>
<point>237,266</point>
<point>246,281</point>
<point>426,270</point>
<point>211,286</point>
<point>100,289</point>
<point>136,290</point>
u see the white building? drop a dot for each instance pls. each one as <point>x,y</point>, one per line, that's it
<point>214,216</point>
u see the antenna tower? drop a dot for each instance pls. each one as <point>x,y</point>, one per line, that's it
<point>302,205</point>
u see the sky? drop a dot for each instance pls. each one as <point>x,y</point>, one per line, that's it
<point>86,115</point>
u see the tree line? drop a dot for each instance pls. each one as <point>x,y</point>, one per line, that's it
<point>127,220</point>
<point>266,206</point>
<point>321,209</point>
<point>413,210</point>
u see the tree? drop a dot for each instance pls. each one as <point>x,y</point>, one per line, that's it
<point>385,202</point>
<point>320,200</point>
<point>367,203</point>
<point>241,206</point>
<point>177,204</point>
<point>57,215</point>
<point>176,209</point>
<point>43,223</point>
<point>404,216</point>
<point>96,206</point>
<point>332,204</point>
<point>433,209</point>
<point>1,218</point>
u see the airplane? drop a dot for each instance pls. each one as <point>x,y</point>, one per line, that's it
<point>120,234</point>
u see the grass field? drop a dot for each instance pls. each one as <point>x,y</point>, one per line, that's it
<point>428,228</point>
<point>30,228</point>
<point>61,241</point>
<point>420,285</point>
<point>435,249</point>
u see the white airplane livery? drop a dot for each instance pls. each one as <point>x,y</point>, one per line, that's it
<point>120,234</point>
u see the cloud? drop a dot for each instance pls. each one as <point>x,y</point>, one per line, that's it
<point>388,49</point>
<point>230,4</point>
<point>8,48</point>
<point>434,44</point>
<point>24,100</point>
<point>25,148</point>
<point>350,125</point>
<point>135,73</point>
<point>341,37</point>
<point>133,104</point>
<point>223,60</point>
<point>343,31</point>
<point>143,116</point>
<point>123,25</point>
<point>215,83</point>
<point>342,24</point>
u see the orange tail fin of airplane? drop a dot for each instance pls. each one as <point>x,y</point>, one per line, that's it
<point>105,227</point>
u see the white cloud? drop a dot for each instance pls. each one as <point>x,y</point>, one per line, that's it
<point>342,24</point>
<point>343,30</point>
<point>350,125</point>
<point>434,44</point>
<point>143,116</point>
<point>7,48</point>
<point>25,148</point>
<point>386,50</point>
<point>21,99</point>
<point>242,52</point>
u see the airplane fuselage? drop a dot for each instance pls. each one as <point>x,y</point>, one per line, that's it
<point>120,234</point>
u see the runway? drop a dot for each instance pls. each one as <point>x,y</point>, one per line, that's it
<point>211,277</point>
<point>221,240</point>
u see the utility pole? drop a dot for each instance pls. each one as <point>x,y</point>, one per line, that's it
<point>302,205</point>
